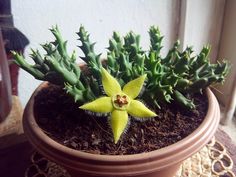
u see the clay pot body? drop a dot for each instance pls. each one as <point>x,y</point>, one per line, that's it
<point>159,163</point>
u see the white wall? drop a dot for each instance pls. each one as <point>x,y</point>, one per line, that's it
<point>201,24</point>
<point>227,94</point>
<point>228,49</point>
<point>100,18</point>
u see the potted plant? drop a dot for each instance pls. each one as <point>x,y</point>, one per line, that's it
<point>135,114</point>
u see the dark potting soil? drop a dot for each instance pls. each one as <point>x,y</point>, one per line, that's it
<point>62,120</point>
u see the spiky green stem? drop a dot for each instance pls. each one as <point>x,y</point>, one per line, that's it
<point>169,79</point>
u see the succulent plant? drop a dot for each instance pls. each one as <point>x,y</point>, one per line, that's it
<point>172,78</point>
<point>57,67</point>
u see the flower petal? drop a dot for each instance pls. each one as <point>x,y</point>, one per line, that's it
<point>133,88</point>
<point>110,84</point>
<point>119,120</point>
<point>101,105</point>
<point>138,109</point>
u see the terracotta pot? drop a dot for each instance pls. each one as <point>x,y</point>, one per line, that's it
<point>159,163</point>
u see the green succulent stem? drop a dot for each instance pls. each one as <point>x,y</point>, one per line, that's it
<point>172,78</point>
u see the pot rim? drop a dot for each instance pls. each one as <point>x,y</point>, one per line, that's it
<point>178,149</point>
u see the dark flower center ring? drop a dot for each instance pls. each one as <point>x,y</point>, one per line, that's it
<point>120,101</point>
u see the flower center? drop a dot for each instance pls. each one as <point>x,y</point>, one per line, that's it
<point>120,101</point>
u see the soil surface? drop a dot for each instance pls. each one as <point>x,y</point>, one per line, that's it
<point>62,120</point>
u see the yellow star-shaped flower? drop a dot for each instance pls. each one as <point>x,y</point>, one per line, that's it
<point>120,103</point>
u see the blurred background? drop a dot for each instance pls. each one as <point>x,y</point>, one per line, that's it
<point>195,23</point>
